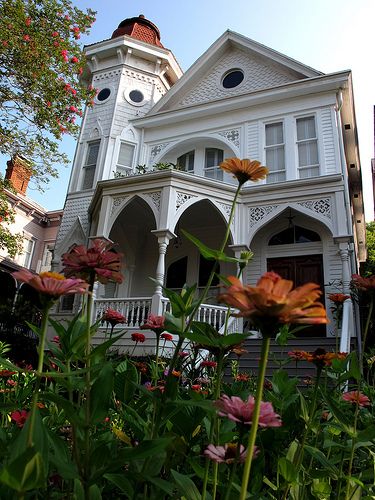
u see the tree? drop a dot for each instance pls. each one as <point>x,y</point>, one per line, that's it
<point>368,268</point>
<point>42,84</point>
<point>8,240</point>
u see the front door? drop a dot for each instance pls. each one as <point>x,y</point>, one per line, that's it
<point>301,269</point>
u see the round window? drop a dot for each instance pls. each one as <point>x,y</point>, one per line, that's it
<point>233,78</point>
<point>136,96</point>
<point>103,95</point>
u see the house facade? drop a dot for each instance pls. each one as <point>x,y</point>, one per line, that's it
<point>239,99</point>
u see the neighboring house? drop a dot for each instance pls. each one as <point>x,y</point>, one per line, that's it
<point>37,226</point>
<point>240,98</point>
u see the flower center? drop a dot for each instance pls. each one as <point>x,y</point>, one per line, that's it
<point>56,276</point>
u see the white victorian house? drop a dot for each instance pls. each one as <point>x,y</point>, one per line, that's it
<point>240,98</point>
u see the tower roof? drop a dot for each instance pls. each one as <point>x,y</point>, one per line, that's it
<point>140,28</point>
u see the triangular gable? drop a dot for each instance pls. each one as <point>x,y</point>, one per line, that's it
<point>263,68</point>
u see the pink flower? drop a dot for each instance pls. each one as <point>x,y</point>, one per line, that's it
<point>74,59</point>
<point>113,317</point>
<point>52,285</point>
<point>73,109</point>
<point>154,323</point>
<point>54,34</point>
<point>241,411</point>
<point>227,453</point>
<point>166,336</point>
<point>56,339</point>
<point>138,337</point>
<point>183,354</point>
<point>363,284</point>
<point>28,21</point>
<point>356,397</point>
<point>56,43</point>
<point>49,104</point>
<point>11,382</point>
<point>26,38</point>
<point>98,262</point>
<point>209,364</point>
<point>20,417</point>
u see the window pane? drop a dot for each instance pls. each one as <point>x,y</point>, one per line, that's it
<point>213,157</point>
<point>308,153</point>
<point>88,179</point>
<point>90,164</point>
<point>29,247</point>
<point>274,134</point>
<point>126,154</point>
<point>306,173</point>
<point>186,161</point>
<point>275,159</point>
<point>306,128</point>
<point>92,153</point>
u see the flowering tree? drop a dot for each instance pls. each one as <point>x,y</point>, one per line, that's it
<point>42,86</point>
<point>10,242</point>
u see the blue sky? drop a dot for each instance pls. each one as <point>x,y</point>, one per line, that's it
<point>328,35</point>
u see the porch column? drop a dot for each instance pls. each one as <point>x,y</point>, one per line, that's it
<point>163,236</point>
<point>343,243</point>
<point>238,250</point>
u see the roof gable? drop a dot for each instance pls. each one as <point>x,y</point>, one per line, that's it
<point>262,67</point>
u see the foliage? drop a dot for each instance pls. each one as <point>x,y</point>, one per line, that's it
<point>41,94</point>
<point>368,268</point>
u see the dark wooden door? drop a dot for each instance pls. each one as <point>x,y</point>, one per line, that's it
<point>301,269</point>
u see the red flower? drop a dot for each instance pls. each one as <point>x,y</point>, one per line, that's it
<point>356,397</point>
<point>363,284</point>
<point>210,364</point>
<point>6,373</point>
<point>338,298</point>
<point>242,377</point>
<point>227,453</point>
<point>113,317</point>
<point>273,302</point>
<point>74,59</point>
<point>54,34</point>
<point>26,38</point>
<point>154,323</point>
<point>53,285</point>
<point>28,21</point>
<point>138,337</point>
<point>183,354</point>
<point>196,387</point>
<point>20,417</point>
<point>242,411</point>
<point>98,262</point>
<point>166,336</point>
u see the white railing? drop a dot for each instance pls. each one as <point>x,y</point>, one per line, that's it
<point>347,327</point>
<point>134,309</point>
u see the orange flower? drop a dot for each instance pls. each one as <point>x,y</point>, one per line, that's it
<point>273,302</point>
<point>242,377</point>
<point>244,170</point>
<point>338,298</point>
<point>319,357</point>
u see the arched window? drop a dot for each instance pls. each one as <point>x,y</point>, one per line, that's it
<point>294,234</point>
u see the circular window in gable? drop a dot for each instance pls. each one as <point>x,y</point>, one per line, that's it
<point>103,95</point>
<point>135,97</point>
<point>232,78</point>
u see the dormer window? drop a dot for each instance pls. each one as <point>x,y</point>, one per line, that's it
<point>213,158</point>
<point>186,162</point>
<point>125,159</point>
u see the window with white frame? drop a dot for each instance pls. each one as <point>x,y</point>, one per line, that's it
<point>275,152</point>
<point>186,162</point>
<point>125,159</point>
<point>28,253</point>
<point>307,144</point>
<point>90,164</point>
<point>47,258</point>
<point>213,157</point>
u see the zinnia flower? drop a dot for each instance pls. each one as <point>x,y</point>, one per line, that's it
<point>356,397</point>
<point>97,262</point>
<point>273,302</point>
<point>363,284</point>
<point>242,377</point>
<point>113,317</point>
<point>51,285</point>
<point>320,357</point>
<point>138,337</point>
<point>241,411</point>
<point>244,170</point>
<point>20,417</point>
<point>338,298</point>
<point>154,323</point>
<point>227,453</point>
<point>6,373</point>
<point>166,336</point>
<point>209,364</point>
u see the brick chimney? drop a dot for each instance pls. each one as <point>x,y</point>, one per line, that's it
<point>18,173</point>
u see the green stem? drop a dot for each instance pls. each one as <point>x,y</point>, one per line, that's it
<point>233,471</point>
<point>255,418</point>
<point>39,373</point>
<point>367,326</point>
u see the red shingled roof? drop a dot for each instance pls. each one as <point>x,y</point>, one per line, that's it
<point>139,28</point>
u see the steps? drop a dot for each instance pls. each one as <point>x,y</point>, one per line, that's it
<point>249,361</point>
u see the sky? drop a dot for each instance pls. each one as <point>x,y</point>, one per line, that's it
<point>328,35</point>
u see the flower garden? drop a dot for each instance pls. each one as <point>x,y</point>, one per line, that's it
<point>89,423</point>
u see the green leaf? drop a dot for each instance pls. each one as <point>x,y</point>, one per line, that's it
<point>287,469</point>
<point>186,486</point>
<point>125,383</point>
<point>209,253</point>
<point>284,335</point>
<point>94,492</point>
<point>146,449</point>
<point>321,489</point>
<point>323,460</point>
<point>123,484</point>
<point>60,457</point>
<point>79,493</point>
<point>98,353</point>
<point>162,484</point>
<point>101,393</point>
<point>26,472</point>
<point>354,368</point>
<point>69,408</point>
